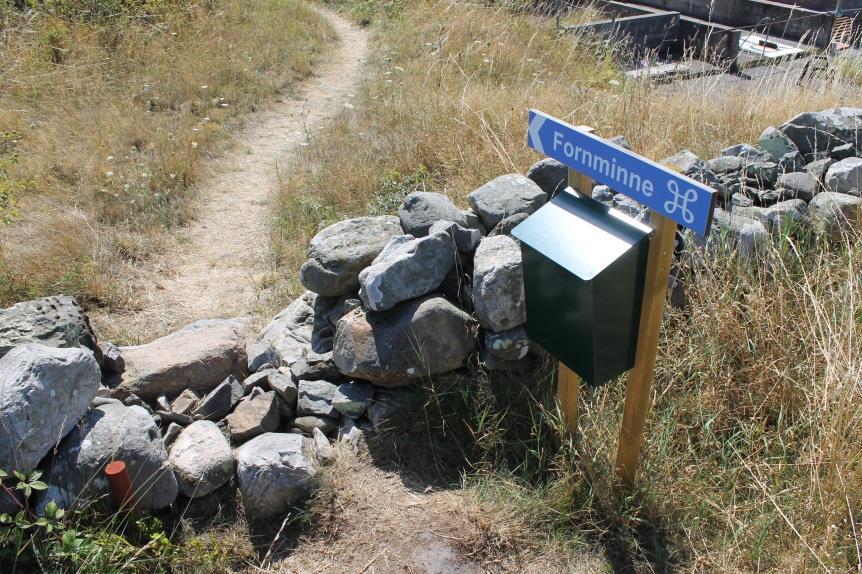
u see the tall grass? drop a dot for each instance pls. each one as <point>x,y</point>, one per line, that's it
<point>751,460</point>
<point>110,108</point>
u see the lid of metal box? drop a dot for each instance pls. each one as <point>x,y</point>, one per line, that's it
<point>580,234</point>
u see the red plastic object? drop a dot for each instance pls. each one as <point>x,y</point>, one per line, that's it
<point>120,483</point>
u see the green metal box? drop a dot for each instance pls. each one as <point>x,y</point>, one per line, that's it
<point>584,266</point>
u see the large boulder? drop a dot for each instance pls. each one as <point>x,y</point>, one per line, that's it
<point>406,268</point>
<point>833,214</point>
<point>113,431</point>
<point>201,459</point>
<point>775,142</point>
<point>549,174</point>
<point>822,131</point>
<point>273,472</point>
<point>337,254</point>
<point>300,328</point>
<point>417,338</point>
<point>845,176</point>
<point>422,208</point>
<point>43,393</point>
<point>505,196</point>
<point>51,321</point>
<point>498,284</point>
<point>200,355</point>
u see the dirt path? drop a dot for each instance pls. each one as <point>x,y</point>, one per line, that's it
<point>221,255</point>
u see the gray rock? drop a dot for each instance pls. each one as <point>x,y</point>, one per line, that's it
<point>767,197</point>
<point>843,152</point>
<point>685,161</point>
<point>775,142</point>
<point>791,162</point>
<point>493,362</point>
<point>168,417</point>
<point>43,392</point>
<point>337,254</point>
<point>307,424</point>
<point>748,236</point>
<point>352,399</point>
<point>202,355</point>
<point>833,214</point>
<point>294,332</point>
<point>421,209</point>
<point>765,172</point>
<point>349,432</point>
<point>185,402</point>
<point>603,194</point>
<point>629,206</point>
<point>511,345</point>
<point>236,390</point>
<point>50,321</point>
<point>395,408</point>
<point>273,472</point>
<point>726,164</point>
<point>315,398</point>
<point>253,417</point>
<point>845,176</point>
<point>112,358</point>
<point>474,221</point>
<point>113,432</point>
<point>316,367</point>
<point>506,226</point>
<point>498,284</point>
<point>822,131</point>
<point>787,217</point>
<point>171,434</point>
<point>201,459</point>
<point>323,451</point>
<point>747,152</point>
<point>466,240</point>
<point>505,196</point>
<point>406,268</point>
<point>550,175</point>
<point>416,338</point>
<point>740,200</point>
<point>621,141</point>
<point>282,383</point>
<point>217,403</point>
<point>797,185</point>
<point>258,379</point>
<point>818,168</point>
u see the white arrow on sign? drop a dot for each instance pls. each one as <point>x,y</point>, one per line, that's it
<point>535,125</point>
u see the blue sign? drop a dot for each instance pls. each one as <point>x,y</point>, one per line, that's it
<point>663,190</point>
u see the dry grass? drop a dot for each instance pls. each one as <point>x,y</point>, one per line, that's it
<point>111,117</point>
<point>753,449</point>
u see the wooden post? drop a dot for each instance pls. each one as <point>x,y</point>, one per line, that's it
<point>568,382</point>
<point>637,403</point>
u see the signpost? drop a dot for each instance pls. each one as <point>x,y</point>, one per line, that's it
<point>673,198</point>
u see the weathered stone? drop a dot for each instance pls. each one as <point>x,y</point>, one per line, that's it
<point>843,152</point>
<point>315,398</point>
<point>201,459</point>
<point>747,152</point>
<point>112,358</point>
<point>775,142</point>
<point>505,196</point>
<point>169,417</point>
<point>791,162</point>
<point>787,217</point>
<point>421,209</point>
<point>833,214</point>
<point>217,403</point>
<point>307,424</point>
<point>416,338</point>
<point>273,472</point>
<point>466,240</point>
<point>506,226</point>
<point>748,236</point>
<point>352,399</point>
<point>113,432</point>
<point>43,392</point>
<point>171,434</point>
<point>254,417</point>
<point>323,451</point>
<point>498,284</point>
<point>406,268</point>
<point>764,172</point>
<point>337,254</point>
<point>185,402</point>
<point>162,403</point>
<point>550,175</point>
<point>621,141</point>
<point>258,379</point>
<point>725,164</point>
<point>603,194</point>
<point>799,185</point>
<point>685,161</point>
<point>474,221</point>
<point>294,332</point>
<point>511,345</point>
<point>818,168</point>
<point>845,176</point>
<point>316,367</point>
<point>822,131</point>
<point>766,197</point>
<point>282,383</point>
<point>494,363</point>
<point>201,355</point>
<point>740,200</point>
<point>50,321</point>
